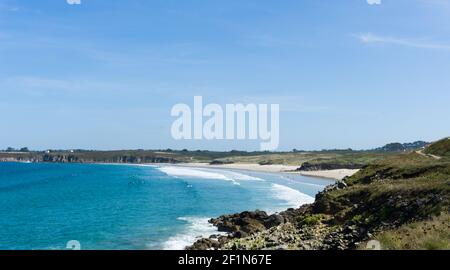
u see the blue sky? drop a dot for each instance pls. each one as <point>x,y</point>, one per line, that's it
<point>105,74</point>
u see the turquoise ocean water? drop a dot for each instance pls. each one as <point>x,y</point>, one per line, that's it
<point>110,207</point>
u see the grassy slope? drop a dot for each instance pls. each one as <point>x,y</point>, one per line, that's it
<point>440,148</point>
<point>408,190</point>
<point>402,201</point>
<point>296,159</point>
<point>432,234</point>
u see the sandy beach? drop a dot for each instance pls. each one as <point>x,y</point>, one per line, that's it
<point>330,174</point>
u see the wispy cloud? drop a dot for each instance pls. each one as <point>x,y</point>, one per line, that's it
<point>41,86</point>
<point>12,8</point>
<point>369,38</point>
<point>101,51</point>
<point>374,2</point>
<point>74,2</point>
<point>436,3</point>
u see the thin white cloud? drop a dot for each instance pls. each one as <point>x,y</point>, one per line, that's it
<point>369,38</point>
<point>45,86</point>
<point>374,2</point>
<point>9,8</point>
<point>40,86</point>
<point>436,3</point>
<point>174,53</point>
<point>74,2</point>
<point>14,8</point>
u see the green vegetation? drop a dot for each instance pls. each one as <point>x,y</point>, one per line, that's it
<point>327,158</point>
<point>11,149</point>
<point>340,157</point>
<point>403,166</point>
<point>432,234</point>
<point>391,187</point>
<point>440,148</point>
<point>310,220</point>
<point>402,200</point>
<point>404,197</point>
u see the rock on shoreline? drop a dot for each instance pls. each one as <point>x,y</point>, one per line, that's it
<point>344,216</point>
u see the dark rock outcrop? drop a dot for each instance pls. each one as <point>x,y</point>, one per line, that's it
<point>245,223</point>
<point>328,166</point>
<point>382,197</point>
<point>220,162</point>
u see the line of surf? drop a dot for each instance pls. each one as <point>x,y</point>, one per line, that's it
<point>211,174</point>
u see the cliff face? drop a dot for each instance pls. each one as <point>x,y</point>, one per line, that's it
<point>114,159</point>
<point>86,158</point>
<point>383,198</point>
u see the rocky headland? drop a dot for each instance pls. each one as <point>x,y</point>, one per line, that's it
<point>402,201</point>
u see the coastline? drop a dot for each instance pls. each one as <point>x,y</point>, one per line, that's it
<point>338,174</point>
<point>226,225</point>
<point>197,226</point>
<point>293,197</point>
<point>328,174</point>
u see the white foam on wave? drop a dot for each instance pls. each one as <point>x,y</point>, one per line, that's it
<point>196,228</point>
<point>178,171</point>
<point>304,183</point>
<point>293,198</point>
<point>241,176</point>
<point>190,172</point>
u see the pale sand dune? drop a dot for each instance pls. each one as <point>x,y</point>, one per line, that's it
<point>331,174</point>
<point>248,167</point>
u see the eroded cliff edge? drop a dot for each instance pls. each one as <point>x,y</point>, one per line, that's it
<point>402,201</point>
